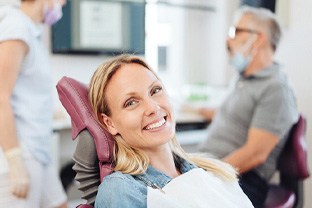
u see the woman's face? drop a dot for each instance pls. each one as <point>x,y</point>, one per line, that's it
<point>140,109</point>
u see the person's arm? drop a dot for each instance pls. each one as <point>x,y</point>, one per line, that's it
<point>11,57</point>
<point>207,113</point>
<point>273,117</point>
<point>259,145</point>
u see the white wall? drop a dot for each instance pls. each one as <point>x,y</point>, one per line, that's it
<point>295,53</point>
<point>78,67</point>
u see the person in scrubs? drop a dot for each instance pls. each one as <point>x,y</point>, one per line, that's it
<point>150,167</point>
<point>27,177</point>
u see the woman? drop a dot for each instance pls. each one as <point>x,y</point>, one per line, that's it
<point>151,169</point>
<point>27,178</point>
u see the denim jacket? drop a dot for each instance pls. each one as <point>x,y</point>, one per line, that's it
<point>120,190</point>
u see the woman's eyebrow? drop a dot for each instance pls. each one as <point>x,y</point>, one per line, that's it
<point>131,94</point>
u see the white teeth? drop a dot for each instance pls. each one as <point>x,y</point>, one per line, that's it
<point>155,125</point>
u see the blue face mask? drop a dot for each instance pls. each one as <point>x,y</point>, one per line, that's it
<point>239,62</point>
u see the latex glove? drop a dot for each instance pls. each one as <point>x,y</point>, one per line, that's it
<point>19,179</point>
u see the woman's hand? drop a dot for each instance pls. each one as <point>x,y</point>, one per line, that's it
<point>19,179</point>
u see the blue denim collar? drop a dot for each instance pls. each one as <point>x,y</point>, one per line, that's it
<point>157,179</point>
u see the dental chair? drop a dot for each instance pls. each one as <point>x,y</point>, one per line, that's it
<point>293,170</point>
<point>94,150</point>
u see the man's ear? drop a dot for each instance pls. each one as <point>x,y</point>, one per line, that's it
<point>261,40</point>
<point>109,124</point>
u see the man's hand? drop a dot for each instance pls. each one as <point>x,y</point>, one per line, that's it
<point>207,113</point>
<point>19,179</point>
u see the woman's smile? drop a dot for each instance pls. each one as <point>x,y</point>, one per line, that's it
<point>155,125</point>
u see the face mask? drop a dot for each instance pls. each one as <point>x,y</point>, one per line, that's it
<point>53,15</point>
<point>238,60</point>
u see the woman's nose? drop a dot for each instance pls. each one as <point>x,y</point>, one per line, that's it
<point>150,107</point>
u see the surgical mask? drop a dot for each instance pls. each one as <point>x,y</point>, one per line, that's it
<point>51,16</point>
<point>238,60</point>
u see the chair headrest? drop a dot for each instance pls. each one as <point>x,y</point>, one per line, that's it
<point>74,97</point>
<point>294,159</point>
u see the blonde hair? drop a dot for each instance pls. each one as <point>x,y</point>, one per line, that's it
<point>130,160</point>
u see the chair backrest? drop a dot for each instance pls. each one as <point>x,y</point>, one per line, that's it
<point>74,97</point>
<point>293,161</point>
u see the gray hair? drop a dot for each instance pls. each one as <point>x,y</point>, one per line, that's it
<point>265,19</point>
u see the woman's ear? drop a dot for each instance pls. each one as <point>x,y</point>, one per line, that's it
<point>109,124</point>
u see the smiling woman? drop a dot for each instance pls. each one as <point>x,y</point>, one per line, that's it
<point>131,102</point>
<point>142,114</point>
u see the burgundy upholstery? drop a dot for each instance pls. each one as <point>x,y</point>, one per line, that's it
<point>293,169</point>
<point>84,206</point>
<point>293,161</point>
<point>280,197</point>
<point>74,97</point>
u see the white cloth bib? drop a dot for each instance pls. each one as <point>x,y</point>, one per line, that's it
<point>198,189</point>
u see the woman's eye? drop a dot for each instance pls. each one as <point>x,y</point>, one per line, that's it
<point>156,90</point>
<point>130,103</point>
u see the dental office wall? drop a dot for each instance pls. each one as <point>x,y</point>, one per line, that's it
<point>294,54</point>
